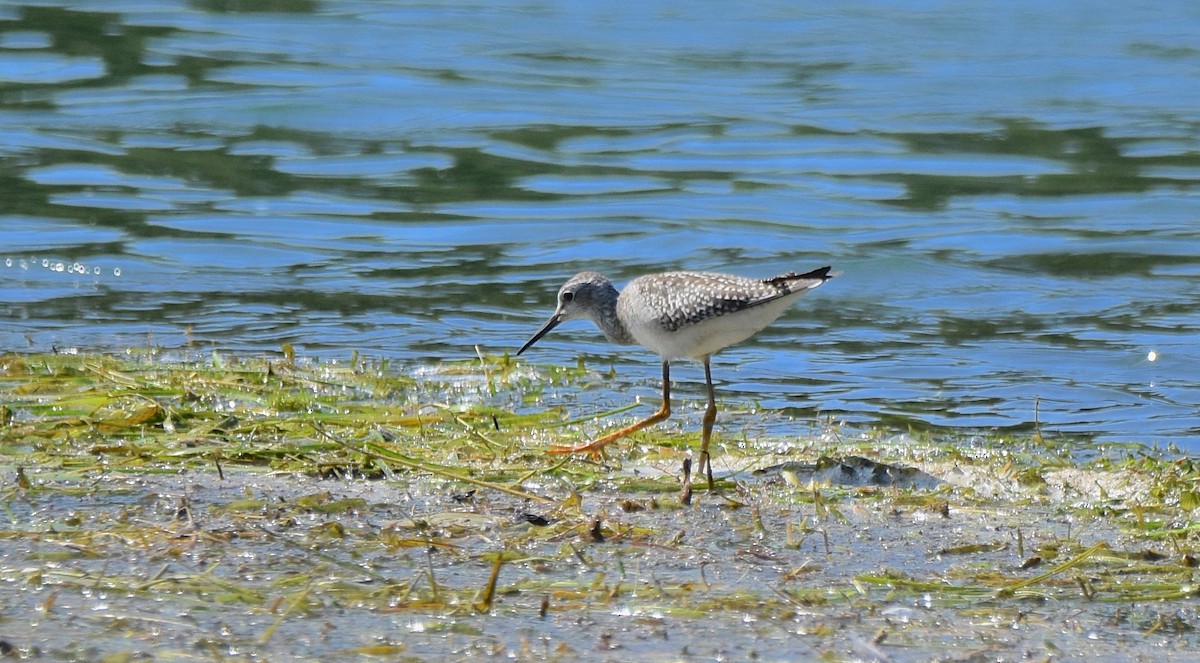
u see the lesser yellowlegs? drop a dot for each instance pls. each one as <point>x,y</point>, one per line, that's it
<point>677,314</point>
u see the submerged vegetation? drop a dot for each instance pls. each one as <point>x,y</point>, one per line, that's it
<point>250,508</point>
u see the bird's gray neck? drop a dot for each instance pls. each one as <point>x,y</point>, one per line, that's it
<point>605,317</point>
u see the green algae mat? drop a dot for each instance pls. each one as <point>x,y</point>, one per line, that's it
<point>242,509</point>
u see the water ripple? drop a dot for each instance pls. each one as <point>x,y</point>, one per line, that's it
<point>1011,200</point>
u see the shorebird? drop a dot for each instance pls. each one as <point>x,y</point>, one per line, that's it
<point>677,315</point>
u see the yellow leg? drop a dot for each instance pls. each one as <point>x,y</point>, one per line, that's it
<point>710,417</point>
<point>596,447</point>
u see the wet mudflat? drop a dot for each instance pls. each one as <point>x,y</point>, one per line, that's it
<point>231,508</point>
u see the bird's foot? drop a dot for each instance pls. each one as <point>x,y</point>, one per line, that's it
<point>594,449</point>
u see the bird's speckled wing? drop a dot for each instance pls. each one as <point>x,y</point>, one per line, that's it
<point>687,298</point>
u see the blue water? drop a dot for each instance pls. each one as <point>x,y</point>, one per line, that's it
<point>1010,191</point>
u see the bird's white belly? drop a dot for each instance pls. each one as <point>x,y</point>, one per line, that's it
<point>706,337</point>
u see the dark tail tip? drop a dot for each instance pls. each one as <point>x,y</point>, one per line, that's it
<point>821,273</point>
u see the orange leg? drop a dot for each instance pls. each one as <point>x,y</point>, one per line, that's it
<point>710,417</point>
<point>596,447</point>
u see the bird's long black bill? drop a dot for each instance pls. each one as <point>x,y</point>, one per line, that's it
<point>550,324</point>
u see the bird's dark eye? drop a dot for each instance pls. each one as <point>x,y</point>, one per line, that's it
<point>568,296</point>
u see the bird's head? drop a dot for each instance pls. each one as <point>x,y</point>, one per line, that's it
<point>583,296</point>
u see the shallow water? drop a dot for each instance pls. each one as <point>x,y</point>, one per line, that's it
<point>1009,191</point>
<point>179,566</point>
